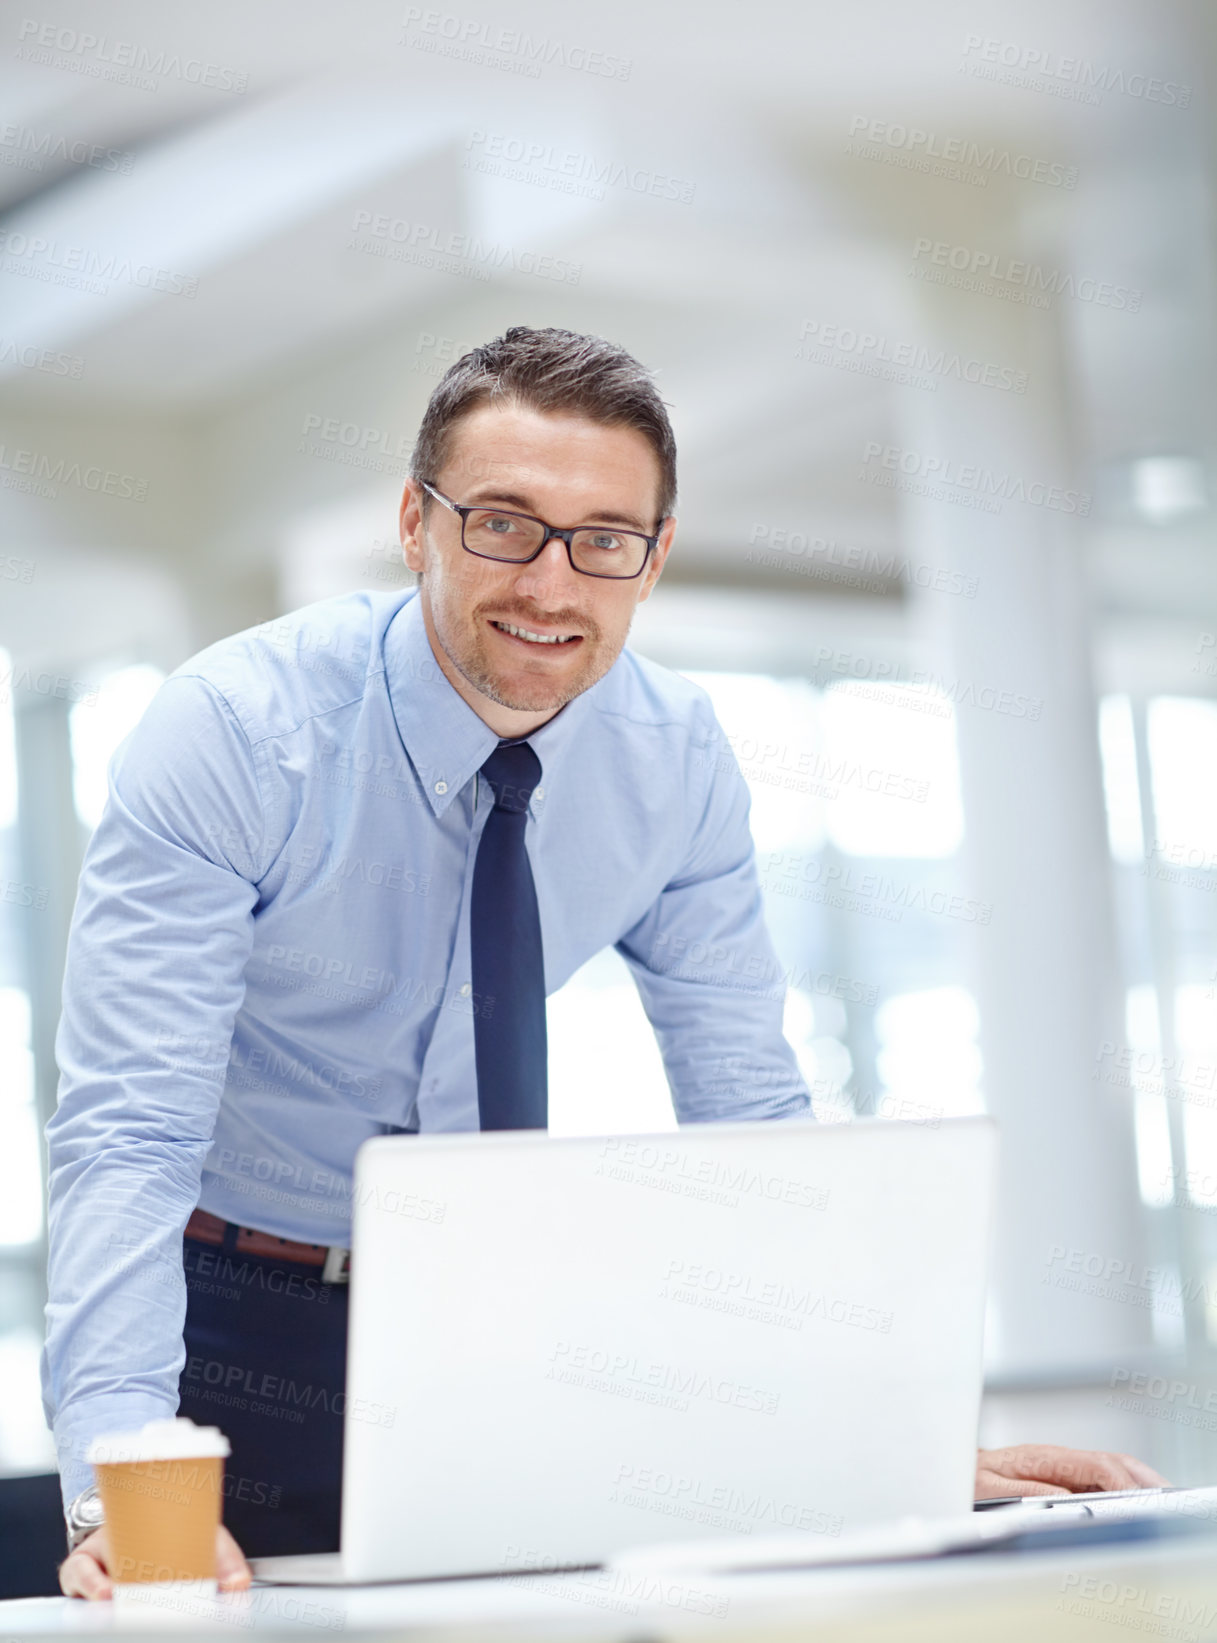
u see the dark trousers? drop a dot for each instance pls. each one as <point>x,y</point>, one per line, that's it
<point>266,1363</point>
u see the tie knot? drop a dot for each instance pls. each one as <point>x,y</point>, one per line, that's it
<point>512,770</point>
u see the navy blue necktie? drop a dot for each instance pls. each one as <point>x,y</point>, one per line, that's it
<point>506,959</point>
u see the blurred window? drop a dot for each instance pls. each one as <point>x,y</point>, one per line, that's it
<point>1160,776</point>
<point>98,723</point>
<point>857,820</point>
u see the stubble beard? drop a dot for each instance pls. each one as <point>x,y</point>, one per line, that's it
<point>537,696</point>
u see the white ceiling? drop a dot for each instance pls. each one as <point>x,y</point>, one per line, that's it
<point>256,196</point>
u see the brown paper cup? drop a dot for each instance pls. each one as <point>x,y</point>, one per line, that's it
<point>161,1491</point>
<point>161,1518</point>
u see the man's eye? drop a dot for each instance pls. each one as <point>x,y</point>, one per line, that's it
<point>604,540</point>
<point>499,524</point>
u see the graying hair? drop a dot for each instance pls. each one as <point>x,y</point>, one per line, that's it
<point>548,370</point>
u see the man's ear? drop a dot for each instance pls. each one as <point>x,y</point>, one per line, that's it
<point>410,520</point>
<point>656,562</point>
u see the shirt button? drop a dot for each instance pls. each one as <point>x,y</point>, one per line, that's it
<point>466,990</point>
<point>538,794</point>
<point>441,787</point>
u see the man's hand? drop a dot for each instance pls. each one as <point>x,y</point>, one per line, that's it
<point>1048,1469</point>
<point>86,1571</point>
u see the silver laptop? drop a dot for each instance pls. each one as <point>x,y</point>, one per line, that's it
<point>560,1348</point>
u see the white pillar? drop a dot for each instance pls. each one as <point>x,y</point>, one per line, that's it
<point>1044,971</point>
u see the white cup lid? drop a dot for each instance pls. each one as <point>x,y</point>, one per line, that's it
<point>177,1439</point>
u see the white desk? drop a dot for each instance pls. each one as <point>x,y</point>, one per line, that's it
<point>1147,1589</point>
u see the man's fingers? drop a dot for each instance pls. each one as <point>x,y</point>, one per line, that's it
<point>1033,1462</point>
<point>1145,1475</point>
<point>1086,1470</point>
<point>993,1485</point>
<point>83,1574</point>
<point>232,1571</point>
<point>1078,1471</point>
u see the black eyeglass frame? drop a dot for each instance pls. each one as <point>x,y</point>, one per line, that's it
<point>550,531</point>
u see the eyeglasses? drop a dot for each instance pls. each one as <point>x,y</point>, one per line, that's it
<point>517,538</point>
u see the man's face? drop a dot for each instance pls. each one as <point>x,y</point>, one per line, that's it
<point>569,471</point>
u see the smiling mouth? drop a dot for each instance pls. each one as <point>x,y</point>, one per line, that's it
<point>532,637</point>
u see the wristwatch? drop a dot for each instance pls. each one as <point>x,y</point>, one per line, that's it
<point>83,1515</point>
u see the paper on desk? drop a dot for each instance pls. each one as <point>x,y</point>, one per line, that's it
<point>1200,1503</point>
<point>911,1537</point>
<point>907,1538</point>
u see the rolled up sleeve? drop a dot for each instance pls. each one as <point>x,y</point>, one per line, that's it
<point>160,936</point>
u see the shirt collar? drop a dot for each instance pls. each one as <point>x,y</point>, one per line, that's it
<point>446,740</point>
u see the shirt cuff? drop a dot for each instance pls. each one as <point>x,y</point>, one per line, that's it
<point>97,1418</point>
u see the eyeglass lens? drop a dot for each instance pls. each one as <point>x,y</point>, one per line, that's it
<point>599,550</point>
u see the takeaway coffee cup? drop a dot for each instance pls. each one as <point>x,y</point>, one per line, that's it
<point>161,1489</point>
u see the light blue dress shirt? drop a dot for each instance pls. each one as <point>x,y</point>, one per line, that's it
<point>269,956</point>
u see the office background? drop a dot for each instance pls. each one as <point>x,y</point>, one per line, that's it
<point>929,291</point>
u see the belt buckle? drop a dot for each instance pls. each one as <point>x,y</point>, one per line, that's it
<point>337,1268</point>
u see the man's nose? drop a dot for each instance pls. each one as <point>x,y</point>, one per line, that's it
<point>550,576</point>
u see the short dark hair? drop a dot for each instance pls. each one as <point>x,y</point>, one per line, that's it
<point>549,370</point>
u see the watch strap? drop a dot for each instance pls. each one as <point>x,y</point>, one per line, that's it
<point>83,1515</point>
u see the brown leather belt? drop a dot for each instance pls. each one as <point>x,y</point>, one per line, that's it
<point>209,1229</point>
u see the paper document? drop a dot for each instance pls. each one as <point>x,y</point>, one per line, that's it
<point>918,1537</point>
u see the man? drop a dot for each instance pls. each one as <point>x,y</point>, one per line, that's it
<point>343,859</point>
